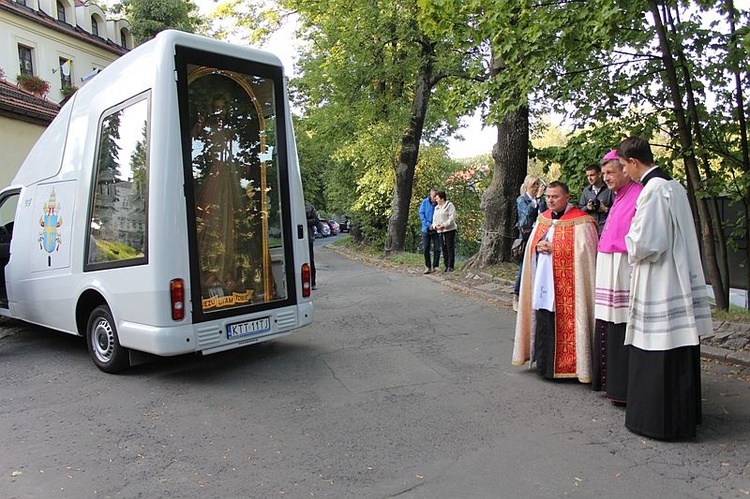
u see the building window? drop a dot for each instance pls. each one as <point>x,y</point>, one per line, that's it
<point>94,26</point>
<point>123,38</point>
<point>25,56</point>
<point>66,66</point>
<point>60,12</point>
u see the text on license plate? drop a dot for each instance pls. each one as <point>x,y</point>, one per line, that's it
<point>256,326</point>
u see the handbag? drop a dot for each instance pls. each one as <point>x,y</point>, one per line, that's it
<point>517,250</point>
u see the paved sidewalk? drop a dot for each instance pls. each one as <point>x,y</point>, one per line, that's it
<point>730,342</point>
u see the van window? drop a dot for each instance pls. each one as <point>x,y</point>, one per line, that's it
<point>8,211</point>
<point>236,186</point>
<point>118,222</point>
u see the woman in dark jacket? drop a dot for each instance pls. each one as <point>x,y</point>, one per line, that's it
<point>527,206</point>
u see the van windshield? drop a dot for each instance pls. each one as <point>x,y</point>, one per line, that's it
<point>236,185</point>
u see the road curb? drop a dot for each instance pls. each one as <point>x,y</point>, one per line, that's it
<point>724,355</point>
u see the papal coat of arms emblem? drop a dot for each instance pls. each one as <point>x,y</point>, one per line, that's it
<point>51,220</point>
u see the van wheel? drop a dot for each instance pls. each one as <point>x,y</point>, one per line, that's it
<point>104,346</point>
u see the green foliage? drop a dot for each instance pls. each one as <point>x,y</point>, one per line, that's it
<point>149,17</point>
<point>409,259</point>
<point>68,90</point>
<point>250,20</point>
<point>355,94</point>
<point>314,158</point>
<point>343,241</point>
<point>598,64</point>
<point>583,148</point>
<point>108,251</point>
<point>138,166</point>
<point>465,187</point>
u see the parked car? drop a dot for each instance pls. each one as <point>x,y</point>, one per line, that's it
<point>345,225</point>
<point>323,229</point>
<point>335,228</point>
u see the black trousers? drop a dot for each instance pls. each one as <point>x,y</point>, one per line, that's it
<point>544,343</point>
<point>310,240</point>
<point>664,392</point>
<point>448,242</point>
<point>431,243</point>
<point>610,361</point>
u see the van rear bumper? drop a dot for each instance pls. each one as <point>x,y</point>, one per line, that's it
<point>164,341</point>
<point>210,337</point>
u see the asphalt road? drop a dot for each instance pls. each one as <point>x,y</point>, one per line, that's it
<point>401,388</point>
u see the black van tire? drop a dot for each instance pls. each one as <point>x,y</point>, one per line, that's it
<point>103,343</point>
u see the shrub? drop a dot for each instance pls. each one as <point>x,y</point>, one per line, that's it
<point>68,90</point>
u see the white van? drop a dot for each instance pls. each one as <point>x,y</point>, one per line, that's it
<point>162,210</point>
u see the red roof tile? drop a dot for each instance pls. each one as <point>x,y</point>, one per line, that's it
<point>19,104</point>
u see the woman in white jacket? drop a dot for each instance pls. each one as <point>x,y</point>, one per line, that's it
<point>444,221</point>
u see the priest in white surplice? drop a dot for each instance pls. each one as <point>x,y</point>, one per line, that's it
<point>668,303</point>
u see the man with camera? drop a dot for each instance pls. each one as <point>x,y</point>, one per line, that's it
<point>596,198</point>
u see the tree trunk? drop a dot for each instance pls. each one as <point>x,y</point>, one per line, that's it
<point>511,156</point>
<point>499,200</point>
<point>407,157</point>
<point>691,164</point>
<point>712,203</point>
<point>741,119</point>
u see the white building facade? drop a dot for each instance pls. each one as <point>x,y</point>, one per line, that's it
<point>62,42</point>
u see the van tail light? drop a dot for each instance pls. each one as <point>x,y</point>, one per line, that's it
<point>177,298</point>
<point>306,280</point>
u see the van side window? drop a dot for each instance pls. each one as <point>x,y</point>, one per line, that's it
<point>119,210</point>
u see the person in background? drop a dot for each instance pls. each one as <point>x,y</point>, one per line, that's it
<point>596,198</point>
<point>430,238</point>
<point>312,221</point>
<point>669,307</point>
<point>541,198</point>
<point>527,209</point>
<point>555,320</point>
<point>610,365</point>
<point>444,221</point>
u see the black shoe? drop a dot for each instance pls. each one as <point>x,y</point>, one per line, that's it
<point>314,286</point>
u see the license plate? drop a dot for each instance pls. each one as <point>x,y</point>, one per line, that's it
<point>249,328</point>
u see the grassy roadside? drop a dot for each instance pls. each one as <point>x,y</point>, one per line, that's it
<point>505,271</point>
<point>416,260</point>
<point>734,314</point>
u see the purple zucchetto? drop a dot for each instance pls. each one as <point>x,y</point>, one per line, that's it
<point>610,156</point>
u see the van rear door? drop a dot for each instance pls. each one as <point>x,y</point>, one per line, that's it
<point>233,126</point>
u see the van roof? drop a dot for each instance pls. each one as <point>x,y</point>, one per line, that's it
<point>135,71</point>
<point>163,46</point>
